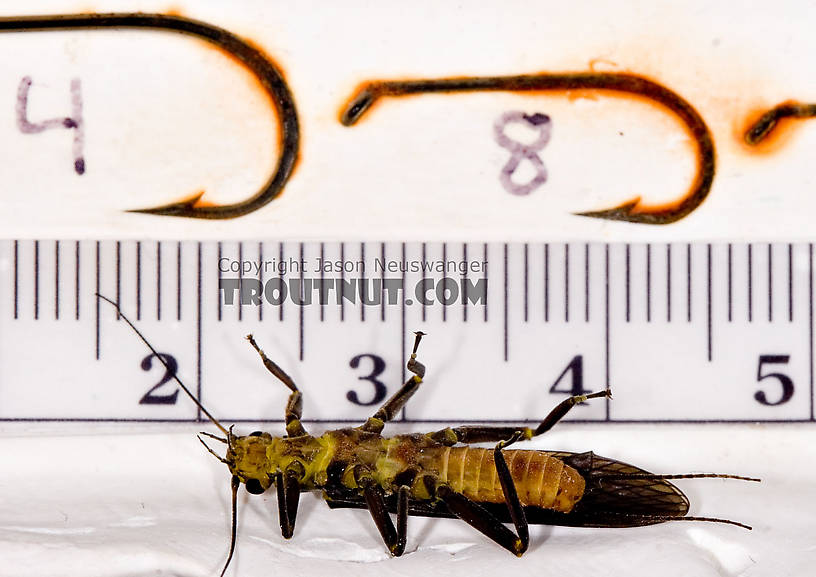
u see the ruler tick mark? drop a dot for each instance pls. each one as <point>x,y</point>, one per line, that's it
<point>56,280</point>
<point>158,280</point>
<point>76,280</point>
<point>648,283</point>
<point>688,283</point>
<point>668,283</point>
<point>586,282</point>
<point>36,279</point>
<point>138,280</point>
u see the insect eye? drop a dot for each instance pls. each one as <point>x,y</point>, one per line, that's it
<point>254,486</point>
<point>255,434</point>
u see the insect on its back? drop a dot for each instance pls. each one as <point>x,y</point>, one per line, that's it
<point>439,474</point>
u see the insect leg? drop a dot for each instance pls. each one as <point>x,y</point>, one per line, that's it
<point>235,483</point>
<point>476,434</point>
<point>481,519</point>
<point>294,406</point>
<point>288,489</point>
<point>393,405</point>
<point>394,537</point>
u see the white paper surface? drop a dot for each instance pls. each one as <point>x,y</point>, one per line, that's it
<point>157,504</point>
<point>161,125</point>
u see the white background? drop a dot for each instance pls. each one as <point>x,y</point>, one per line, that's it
<point>166,117</point>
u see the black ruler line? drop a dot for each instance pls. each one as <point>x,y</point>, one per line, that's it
<point>790,283</point>
<point>240,279</point>
<point>96,300</point>
<point>36,279</point>
<point>730,283</point>
<point>158,280</point>
<point>199,371</point>
<point>76,280</point>
<point>586,282</point>
<point>606,326</point>
<point>810,324</point>
<point>382,280</point>
<point>302,307</point>
<point>342,284</point>
<point>648,283</point>
<point>261,266</point>
<point>487,282</point>
<point>668,283</point>
<point>16,280</point>
<point>688,283</point>
<point>118,278</point>
<point>465,277</point>
<point>362,281</point>
<point>506,282</point>
<point>138,280</point>
<point>178,281</point>
<point>402,325</point>
<point>56,280</point>
<point>217,271</point>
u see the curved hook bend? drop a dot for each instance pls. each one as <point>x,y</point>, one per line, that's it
<point>630,211</point>
<point>766,123</point>
<point>253,59</point>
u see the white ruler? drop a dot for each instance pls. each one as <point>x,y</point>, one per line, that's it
<point>680,332</point>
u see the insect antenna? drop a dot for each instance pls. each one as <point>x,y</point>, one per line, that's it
<point>236,482</point>
<point>213,453</point>
<point>161,358</point>
<point>216,437</point>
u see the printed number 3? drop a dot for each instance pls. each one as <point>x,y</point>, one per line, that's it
<point>379,388</point>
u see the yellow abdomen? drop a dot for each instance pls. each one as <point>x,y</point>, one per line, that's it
<point>541,480</point>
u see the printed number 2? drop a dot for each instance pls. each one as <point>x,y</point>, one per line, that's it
<point>784,380</point>
<point>150,397</point>
<point>379,388</point>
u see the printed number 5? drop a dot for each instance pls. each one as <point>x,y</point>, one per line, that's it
<point>784,380</point>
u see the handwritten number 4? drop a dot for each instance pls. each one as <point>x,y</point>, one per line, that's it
<point>73,122</point>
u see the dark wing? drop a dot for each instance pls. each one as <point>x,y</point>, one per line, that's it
<point>616,495</point>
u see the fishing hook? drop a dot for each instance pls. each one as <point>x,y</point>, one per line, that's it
<point>766,123</point>
<point>253,59</point>
<point>631,211</point>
